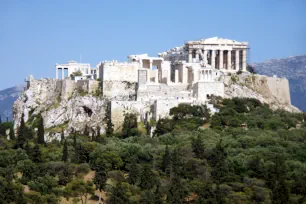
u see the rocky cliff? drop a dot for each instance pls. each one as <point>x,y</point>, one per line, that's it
<point>294,69</point>
<point>66,105</point>
<point>271,90</point>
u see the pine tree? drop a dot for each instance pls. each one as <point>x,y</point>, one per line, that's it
<point>22,134</point>
<point>65,152</point>
<point>41,132</point>
<point>166,161</point>
<point>119,195</point>
<point>12,133</point>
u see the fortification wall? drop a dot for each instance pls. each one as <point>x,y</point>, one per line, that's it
<point>119,108</point>
<point>202,90</point>
<point>120,90</point>
<point>112,71</point>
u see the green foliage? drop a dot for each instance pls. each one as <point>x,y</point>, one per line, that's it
<point>79,189</point>
<point>129,127</point>
<point>41,131</point>
<point>249,154</point>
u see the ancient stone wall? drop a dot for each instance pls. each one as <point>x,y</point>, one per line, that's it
<point>119,108</point>
<point>202,90</point>
<point>113,71</point>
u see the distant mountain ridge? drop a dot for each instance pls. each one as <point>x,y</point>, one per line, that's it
<point>294,69</point>
<point>7,98</point>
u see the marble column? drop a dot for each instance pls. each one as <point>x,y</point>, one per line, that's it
<point>244,60</point>
<point>197,56</point>
<point>176,76</point>
<point>229,60</point>
<point>237,60</point>
<point>149,71</point>
<point>190,56</point>
<point>156,75</point>
<point>221,59</point>
<point>56,73</point>
<point>205,57</point>
<point>169,75</point>
<point>213,59</point>
<point>63,73</point>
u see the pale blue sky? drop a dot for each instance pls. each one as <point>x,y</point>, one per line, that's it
<point>36,34</point>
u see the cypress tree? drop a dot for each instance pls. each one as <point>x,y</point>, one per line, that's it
<point>65,152</point>
<point>0,119</point>
<point>62,136</point>
<point>36,154</point>
<point>166,161</point>
<point>86,131</point>
<point>21,139</point>
<point>12,133</point>
<point>198,147</point>
<point>41,132</point>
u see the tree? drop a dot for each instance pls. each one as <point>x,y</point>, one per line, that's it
<point>11,192</point>
<point>176,192</point>
<point>129,126</point>
<point>62,136</point>
<point>79,189</point>
<point>0,119</point>
<point>36,154</point>
<point>133,172</point>
<point>198,147</point>
<point>166,164</point>
<point>119,195</point>
<point>22,134</point>
<point>12,133</point>
<point>276,180</point>
<point>147,179</point>
<point>100,180</point>
<point>86,131</point>
<point>65,152</point>
<point>41,132</point>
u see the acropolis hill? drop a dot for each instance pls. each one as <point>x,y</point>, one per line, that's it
<point>148,86</point>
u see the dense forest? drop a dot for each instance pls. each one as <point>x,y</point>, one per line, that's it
<point>245,153</point>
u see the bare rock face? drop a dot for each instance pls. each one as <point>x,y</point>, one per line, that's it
<point>61,110</point>
<point>271,90</point>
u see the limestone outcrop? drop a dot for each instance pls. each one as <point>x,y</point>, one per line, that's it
<point>65,105</point>
<point>271,90</point>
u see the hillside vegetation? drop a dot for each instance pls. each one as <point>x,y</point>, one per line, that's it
<point>246,153</point>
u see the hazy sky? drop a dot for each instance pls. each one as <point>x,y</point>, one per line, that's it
<point>34,35</point>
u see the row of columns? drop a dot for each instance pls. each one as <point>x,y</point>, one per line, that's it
<point>63,73</point>
<point>221,60</point>
<point>205,75</point>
